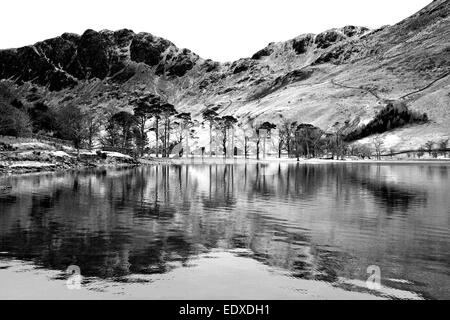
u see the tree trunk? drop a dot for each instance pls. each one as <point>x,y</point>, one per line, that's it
<point>125,139</point>
<point>210,139</point>
<point>224,143</point>
<point>142,136</point>
<point>232,142</point>
<point>264,147</point>
<point>246,147</point>
<point>216,144</point>
<point>168,138</point>
<point>257,149</point>
<point>90,141</point>
<point>307,149</point>
<point>165,139</point>
<point>157,135</point>
<point>187,142</point>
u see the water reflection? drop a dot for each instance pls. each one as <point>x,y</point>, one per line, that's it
<point>318,222</point>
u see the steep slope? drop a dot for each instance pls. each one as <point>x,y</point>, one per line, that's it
<point>351,79</point>
<point>344,74</point>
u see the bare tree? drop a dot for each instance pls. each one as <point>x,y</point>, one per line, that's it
<point>126,121</point>
<point>72,126</point>
<point>378,146</point>
<point>226,123</point>
<point>264,131</point>
<point>308,137</point>
<point>254,128</point>
<point>420,153</point>
<point>94,120</point>
<point>186,125</point>
<point>167,112</point>
<point>354,149</point>
<point>443,146</point>
<point>146,106</point>
<point>245,133</point>
<point>210,115</point>
<point>286,134</point>
<point>339,144</point>
<point>365,151</point>
<point>290,129</point>
<point>429,146</point>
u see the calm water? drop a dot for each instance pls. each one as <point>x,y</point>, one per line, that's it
<point>250,226</point>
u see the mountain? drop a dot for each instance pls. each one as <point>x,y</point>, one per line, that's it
<point>341,75</point>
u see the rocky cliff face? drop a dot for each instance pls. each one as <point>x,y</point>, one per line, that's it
<point>344,74</point>
<point>64,61</point>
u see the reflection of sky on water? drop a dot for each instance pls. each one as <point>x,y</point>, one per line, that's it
<point>317,222</point>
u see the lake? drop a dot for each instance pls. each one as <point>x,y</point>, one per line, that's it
<point>231,231</point>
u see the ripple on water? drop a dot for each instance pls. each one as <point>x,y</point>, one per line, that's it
<point>302,229</point>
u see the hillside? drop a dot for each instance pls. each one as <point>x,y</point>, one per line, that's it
<point>343,74</point>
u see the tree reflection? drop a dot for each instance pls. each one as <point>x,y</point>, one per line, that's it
<point>152,219</point>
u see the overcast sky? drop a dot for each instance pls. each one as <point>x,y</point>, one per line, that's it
<point>222,30</point>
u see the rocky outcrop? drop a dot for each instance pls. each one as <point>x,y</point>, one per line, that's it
<point>263,53</point>
<point>242,65</point>
<point>92,57</point>
<point>147,49</point>
<point>328,38</point>
<point>210,65</point>
<point>351,31</point>
<point>302,43</point>
<point>339,54</point>
<point>29,64</point>
<point>333,36</point>
<point>59,51</point>
<point>63,61</point>
<point>177,64</point>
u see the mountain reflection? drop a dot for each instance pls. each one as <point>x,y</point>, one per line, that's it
<point>317,222</point>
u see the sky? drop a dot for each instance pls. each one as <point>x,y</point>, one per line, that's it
<point>222,30</point>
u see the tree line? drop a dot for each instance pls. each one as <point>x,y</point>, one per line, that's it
<point>85,124</point>
<point>288,137</point>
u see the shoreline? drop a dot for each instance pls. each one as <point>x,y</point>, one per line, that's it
<point>45,168</point>
<point>13,173</point>
<point>206,160</point>
<point>49,160</point>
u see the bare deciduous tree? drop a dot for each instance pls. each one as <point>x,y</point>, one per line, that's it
<point>378,146</point>
<point>286,134</point>
<point>443,146</point>
<point>226,123</point>
<point>186,125</point>
<point>210,115</point>
<point>429,146</point>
